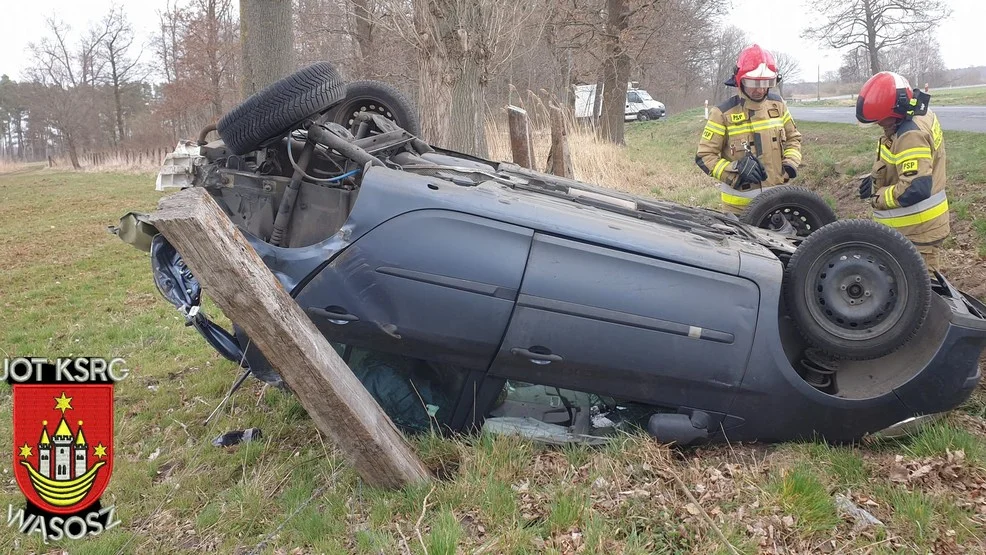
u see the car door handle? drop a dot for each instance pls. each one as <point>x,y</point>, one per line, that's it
<point>536,358</point>
<point>337,316</point>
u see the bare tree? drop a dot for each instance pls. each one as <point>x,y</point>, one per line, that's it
<point>267,39</point>
<point>876,24</point>
<point>919,60</point>
<point>460,46</point>
<point>116,50</point>
<point>725,50</point>
<point>616,70</point>
<point>855,66</point>
<point>68,75</point>
<point>788,68</point>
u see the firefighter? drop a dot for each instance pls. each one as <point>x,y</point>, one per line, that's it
<point>907,184</point>
<point>750,141</point>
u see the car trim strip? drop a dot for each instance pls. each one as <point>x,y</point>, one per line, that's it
<point>624,318</point>
<point>479,287</point>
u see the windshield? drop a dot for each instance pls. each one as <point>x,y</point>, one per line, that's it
<point>644,95</point>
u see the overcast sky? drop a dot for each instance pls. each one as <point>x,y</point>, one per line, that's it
<point>781,30</point>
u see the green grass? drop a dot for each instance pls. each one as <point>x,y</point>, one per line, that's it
<point>940,438</point>
<point>844,465</point>
<point>970,96</point>
<point>802,495</point>
<point>445,533</point>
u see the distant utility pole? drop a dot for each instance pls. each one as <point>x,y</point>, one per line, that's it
<point>818,82</point>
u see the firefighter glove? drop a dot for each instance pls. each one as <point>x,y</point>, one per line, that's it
<point>750,170</point>
<point>790,171</point>
<point>866,187</point>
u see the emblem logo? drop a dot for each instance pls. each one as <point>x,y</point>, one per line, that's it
<point>63,444</point>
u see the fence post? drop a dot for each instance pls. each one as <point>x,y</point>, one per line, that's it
<point>520,137</point>
<point>559,158</point>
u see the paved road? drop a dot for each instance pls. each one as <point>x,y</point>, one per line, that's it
<point>952,118</point>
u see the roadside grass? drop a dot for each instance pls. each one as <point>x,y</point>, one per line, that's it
<point>67,287</point>
<point>969,96</point>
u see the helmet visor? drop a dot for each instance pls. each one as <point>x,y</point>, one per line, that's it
<point>759,82</point>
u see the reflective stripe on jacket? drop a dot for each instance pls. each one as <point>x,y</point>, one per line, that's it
<point>741,123</point>
<point>909,181</point>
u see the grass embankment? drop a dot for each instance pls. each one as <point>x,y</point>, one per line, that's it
<point>68,287</point>
<point>966,96</point>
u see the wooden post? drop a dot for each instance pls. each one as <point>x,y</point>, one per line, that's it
<point>520,137</point>
<point>559,158</point>
<point>234,276</point>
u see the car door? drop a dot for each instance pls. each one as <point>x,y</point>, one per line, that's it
<point>634,104</point>
<point>435,285</point>
<point>600,320</point>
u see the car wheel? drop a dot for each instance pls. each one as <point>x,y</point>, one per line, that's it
<point>377,97</point>
<point>276,109</point>
<point>857,289</point>
<point>642,116</point>
<point>789,208</point>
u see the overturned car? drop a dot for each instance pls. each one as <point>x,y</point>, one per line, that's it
<point>462,291</point>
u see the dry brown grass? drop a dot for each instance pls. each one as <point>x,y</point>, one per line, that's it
<point>603,163</point>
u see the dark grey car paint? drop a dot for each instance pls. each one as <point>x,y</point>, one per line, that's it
<point>485,276</point>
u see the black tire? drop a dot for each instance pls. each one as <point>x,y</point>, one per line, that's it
<point>857,289</point>
<point>805,210</point>
<point>642,116</point>
<point>275,110</point>
<point>379,97</point>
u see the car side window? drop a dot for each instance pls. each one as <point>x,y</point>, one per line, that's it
<point>416,394</point>
<point>633,97</point>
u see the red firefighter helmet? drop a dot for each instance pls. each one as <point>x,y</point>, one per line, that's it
<point>888,95</point>
<point>755,69</point>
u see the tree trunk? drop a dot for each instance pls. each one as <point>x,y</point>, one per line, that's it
<point>467,130</point>
<point>267,43</point>
<point>212,53</point>
<point>452,77</point>
<point>364,35</point>
<point>117,102</point>
<point>20,137</point>
<point>871,47</point>
<point>616,69</point>
<point>73,154</point>
<point>435,94</point>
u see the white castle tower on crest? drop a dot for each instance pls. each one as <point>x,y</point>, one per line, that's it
<point>81,451</point>
<point>63,444</point>
<point>44,452</point>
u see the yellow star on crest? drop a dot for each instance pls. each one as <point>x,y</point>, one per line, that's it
<point>63,403</point>
<point>99,451</point>
<point>26,451</point>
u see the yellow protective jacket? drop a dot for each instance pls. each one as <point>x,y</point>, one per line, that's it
<point>909,181</point>
<point>768,129</point>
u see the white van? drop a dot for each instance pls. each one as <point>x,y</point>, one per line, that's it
<point>640,106</point>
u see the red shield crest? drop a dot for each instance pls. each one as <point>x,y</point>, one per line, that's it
<point>63,444</point>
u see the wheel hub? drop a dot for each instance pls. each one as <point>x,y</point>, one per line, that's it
<point>786,217</point>
<point>856,292</point>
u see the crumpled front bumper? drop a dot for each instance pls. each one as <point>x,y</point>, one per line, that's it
<point>176,283</point>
